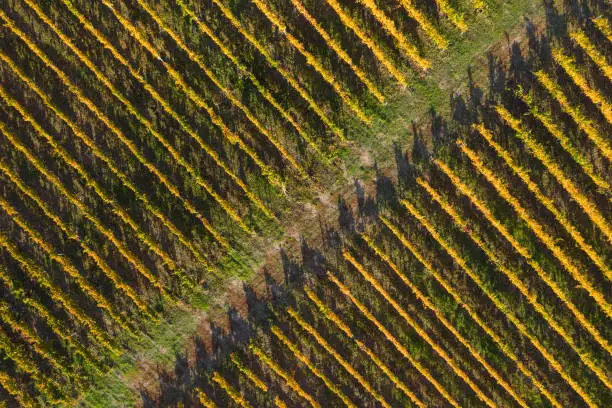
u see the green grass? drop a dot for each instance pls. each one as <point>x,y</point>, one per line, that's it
<point>448,75</point>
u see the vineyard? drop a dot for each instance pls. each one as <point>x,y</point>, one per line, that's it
<point>153,153</point>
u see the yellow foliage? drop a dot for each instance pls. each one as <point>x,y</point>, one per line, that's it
<point>350,23</point>
<point>313,61</point>
<point>424,23</point>
<point>498,303</point>
<point>417,328</point>
<point>508,350</point>
<point>204,400</point>
<point>403,351</point>
<point>234,395</point>
<point>585,43</point>
<point>318,373</point>
<point>108,123</point>
<point>550,125</point>
<point>585,203</point>
<point>388,25</point>
<point>520,285</point>
<point>248,373</point>
<point>447,324</point>
<point>284,73</point>
<point>337,47</point>
<point>602,24</point>
<point>289,380</point>
<point>345,364</point>
<point>594,95</point>
<point>271,174</point>
<point>245,70</point>
<point>585,124</point>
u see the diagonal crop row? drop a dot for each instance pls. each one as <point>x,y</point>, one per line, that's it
<point>401,349</point>
<point>205,29</point>
<point>522,328</point>
<point>463,223</point>
<point>503,345</point>
<point>589,48</point>
<point>312,61</point>
<point>333,317</point>
<point>418,329</point>
<point>89,215</point>
<point>289,380</point>
<point>272,175</point>
<point>585,124</point>
<point>145,122</point>
<point>276,65</point>
<point>345,364</point>
<point>304,360</point>
<point>448,325</point>
<point>549,123</point>
<point>98,153</point>
<point>89,181</point>
<point>191,208</point>
<point>538,151</point>
<point>408,49</point>
<point>335,45</point>
<point>58,327</point>
<point>354,26</point>
<point>568,65</point>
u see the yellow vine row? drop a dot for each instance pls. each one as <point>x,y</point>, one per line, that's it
<point>46,385</point>
<point>428,304</point>
<point>289,380</point>
<point>16,390</point>
<point>245,70</point>
<point>567,63</point>
<point>452,14</point>
<point>89,181</point>
<point>549,123</point>
<point>66,265</point>
<point>508,350</point>
<point>74,200</point>
<point>417,365</point>
<point>589,48</point>
<point>204,399</point>
<point>279,403</point>
<point>133,111</point>
<point>424,23</point>
<point>271,174</point>
<point>77,131</point>
<point>417,328</point>
<point>330,315</point>
<point>507,311</point>
<point>349,22</point>
<point>248,373</point>
<point>337,47</point>
<point>523,174</point>
<point>51,321</point>
<point>313,61</point>
<point>602,25</point>
<point>36,274</point>
<point>389,26</point>
<point>18,325</point>
<point>301,357</point>
<point>234,395</point>
<point>109,124</point>
<point>178,79</point>
<point>274,64</point>
<point>585,124</point>
<point>345,364</point>
<point>463,223</point>
<point>540,153</point>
